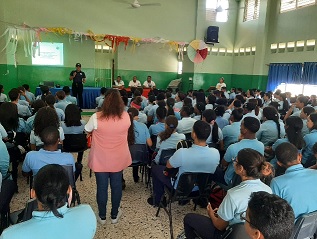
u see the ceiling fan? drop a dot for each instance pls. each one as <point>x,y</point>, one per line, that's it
<point>137,4</point>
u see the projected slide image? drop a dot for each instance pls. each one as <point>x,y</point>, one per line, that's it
<point>47,53</point>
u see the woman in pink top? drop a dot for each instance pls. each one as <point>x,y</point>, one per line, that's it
<point>109,153</point>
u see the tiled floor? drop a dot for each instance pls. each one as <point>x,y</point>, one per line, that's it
<point>138,219</point>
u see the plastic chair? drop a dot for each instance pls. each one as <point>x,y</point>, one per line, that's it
<point>75,194</point>
<point>235,231</point>
<point>305,226</point>
<point>165,156</point>
<point>76,143</point>
<point>140,157</point>
<point>184,191</point>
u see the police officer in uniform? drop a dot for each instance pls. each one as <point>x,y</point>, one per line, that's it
<point>78,77</point>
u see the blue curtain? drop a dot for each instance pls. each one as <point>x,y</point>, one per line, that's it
<point>310,73</point>
<point>283,73</point>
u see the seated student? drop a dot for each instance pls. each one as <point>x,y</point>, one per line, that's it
<point>138,134</point>
<point>220,110</point>
<point>28,93</point>
<point>268,217</point>
<point>45,91</point>
<point>296,108</point>
<point>179,98</point>
<point>272,128</point>
<point>211,100</point>
<point>3,97</point>
<point>215,138</point>
<point>310,139</point>
<point>185,125</point>
<point>23,110</point>
<point>136,104</point>
<point>249,127</point>
<point>68,97</point>
<point>198,110</point>
<point>267,99</point>
<point>305,112</point>
<point>224,90</point>
<point>23,99</point>
<point>231,132</point>
<point>148,108</point>
<point>249,108</point>
<point>45,117</point>
<point>170,102</point>
<point>100,99</point>
<point>50,101</point>
<point>169,138</point>
<point>295,186</point>
<point>138,93</point>
<point>53,218</point>
<point>157,128</point>
<point>198,158</point>
<point>251,167</point>
<point>151,117</point>
<point>61,100</point>
<point>49,154</point>
<point>37,104</point>
<point>232,95</point>
<point>257,110</point>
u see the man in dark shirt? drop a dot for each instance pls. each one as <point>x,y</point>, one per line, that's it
<point>78,77</point>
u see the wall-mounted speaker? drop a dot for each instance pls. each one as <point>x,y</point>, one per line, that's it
<point>212,35</point>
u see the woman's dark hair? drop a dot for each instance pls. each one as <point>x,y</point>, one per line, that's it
<point>72,115</point>
<point>9,117</point>
<point>50,185</point>
<point>294,131</point>
<point>1,87</point>
<point>188,102</point>
<point>257,108</point>
<point>307,110</point>
<point>269,95</point>
<point>50,100</point>
<point>241,98</point>
<point>220,110</point>
<point>237,114</point>
<point>255,165</point>
<point>211,99</point>
<point>171,122</point>
<point>285,103</point>
<point>251,91</point>
<point>249,106</point>
<point>151,98</point>
<point>170,102</point>
<point>313,118</point>
<point>210,116</point>
<point>45,91</point>
<point>274,104</point>
<point>132,113</point>
<point>38,104</point>
<point>112,106</point>
<point>270,113</point>
<point>200,106</point>
<point>45,117</point>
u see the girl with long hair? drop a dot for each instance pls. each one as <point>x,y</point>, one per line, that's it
<point>215,139</point>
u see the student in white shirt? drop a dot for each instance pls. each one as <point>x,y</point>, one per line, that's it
<point>3,97</point>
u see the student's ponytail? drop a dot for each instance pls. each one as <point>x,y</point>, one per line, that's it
<point>131,137</point>
<point>171,122</point>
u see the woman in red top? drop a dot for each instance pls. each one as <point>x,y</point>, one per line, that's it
<point>109,153</point>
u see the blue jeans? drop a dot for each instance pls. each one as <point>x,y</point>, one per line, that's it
<point>102,192</point>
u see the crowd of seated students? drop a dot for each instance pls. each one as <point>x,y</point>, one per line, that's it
<point>225,128</point>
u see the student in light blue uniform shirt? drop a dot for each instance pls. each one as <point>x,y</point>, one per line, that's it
<point>103,91</point>
<point>215,138</point>
<point>159,102</point>
<point>50,154</point>
<point>23,109</point>
<point>250,166</point>
<point>138,134</point>
<point>148,108</point>
<point>62,103</point>
<point>169,138</point>
<point>305,112</point>
<point>45,117</point>
<point>37,104</point>
<point>198,158</point>
<point>271,129</point>
<point>310,139</point>
<point>28,93</point>
<point>68,97</point>
<point>50,101</point>
<point>249,127</point>
<point>295,186</point>
<point>159,127</point>
<point>220,110</point>
<point>4,159</point>
<point>231,132</point>
<point>54,219</point>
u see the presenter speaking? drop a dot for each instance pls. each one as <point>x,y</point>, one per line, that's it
<point>78,77</point>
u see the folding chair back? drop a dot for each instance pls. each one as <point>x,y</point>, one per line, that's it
<point>165,156</point>
<point>139,153</point>
<point>75,143</point>
<point>305,226</point>
<point>71,177</point>
<point>235,231</point>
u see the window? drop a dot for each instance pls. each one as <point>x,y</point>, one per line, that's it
<point>297,89</point>
<point>289,5</point>
<point>251,10</point>
<point>217,10</point>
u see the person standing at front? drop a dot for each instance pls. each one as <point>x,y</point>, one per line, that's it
<point>109,154</point>
<point>78,77</point>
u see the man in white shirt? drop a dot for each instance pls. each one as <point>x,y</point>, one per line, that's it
<point>118,83</point>
<point>134,82</point>
<point>149,83</point>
